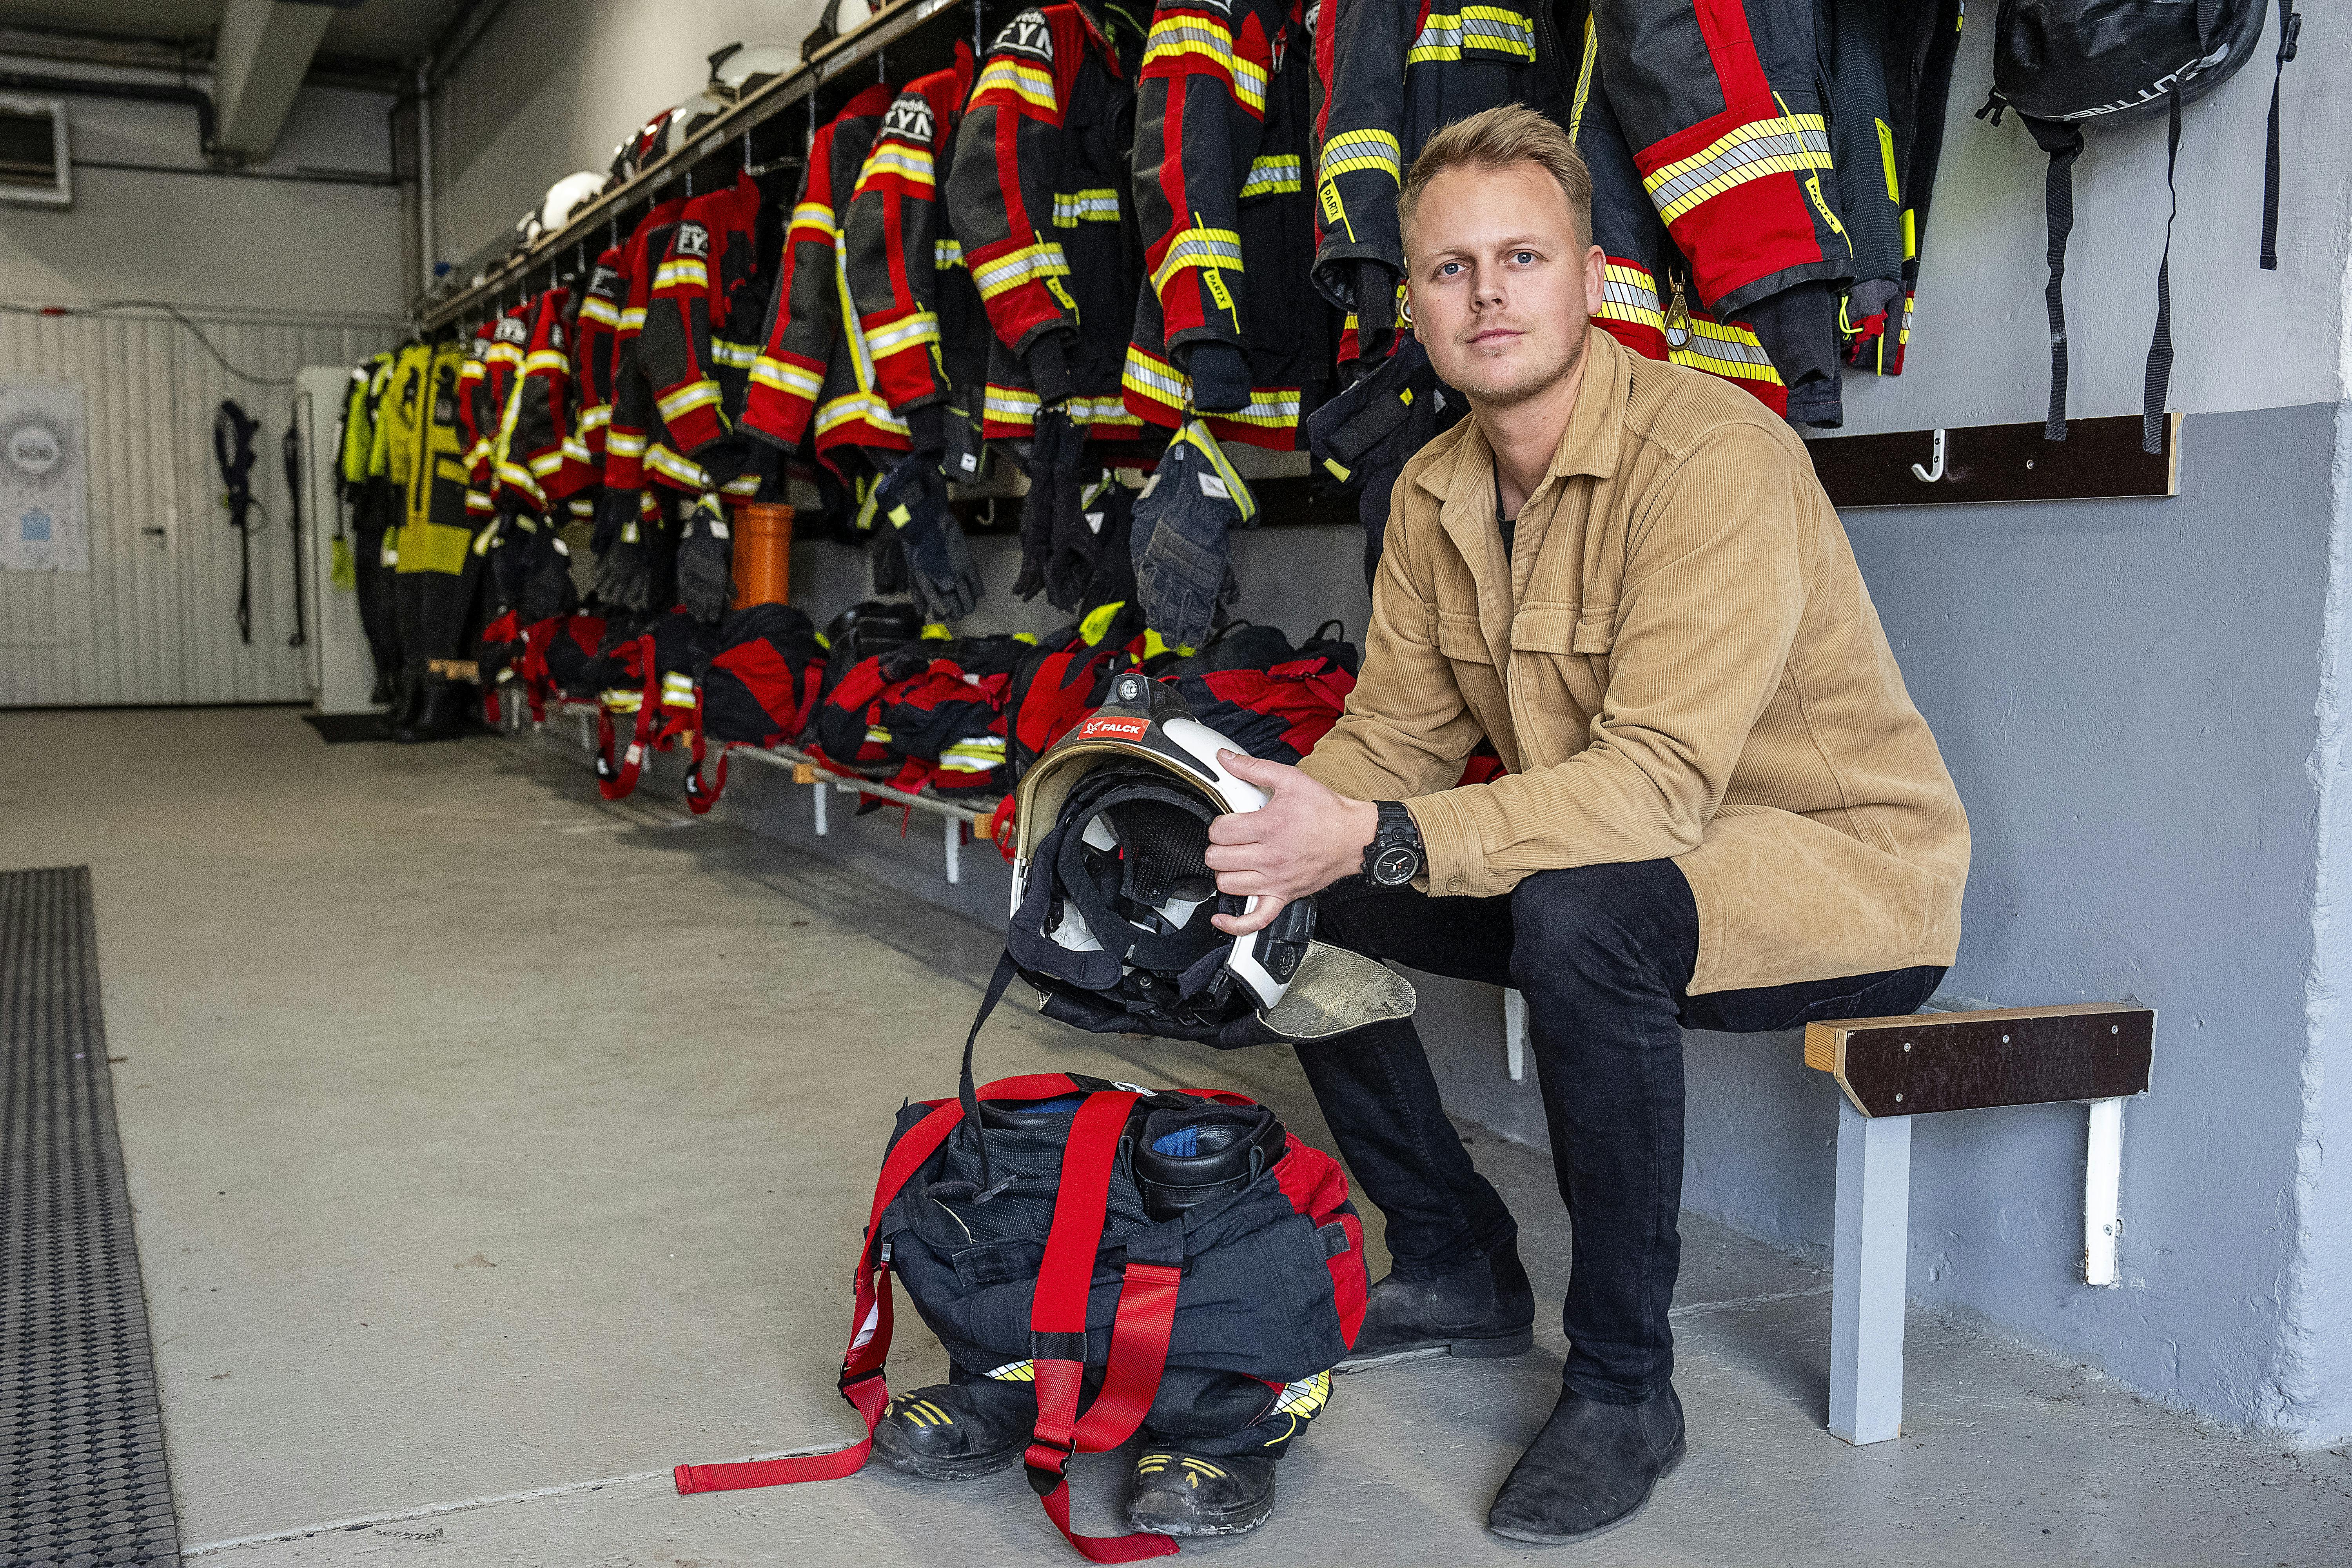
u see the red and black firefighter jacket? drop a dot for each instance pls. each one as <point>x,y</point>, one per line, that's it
<point>1040,197</point>
<point>632,431</point>
<point>813,376</point>
<point>1722,102</point>
<point>542,462</point>
<point>702,330</point>
<point>1395,71</point>
<point>1648,301</point>
<point>592,351</point>
<point>476,422</point>
<point>1222,125</point>
<point>918,310</point>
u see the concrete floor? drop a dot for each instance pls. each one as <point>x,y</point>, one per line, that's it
<point>494,1149</point>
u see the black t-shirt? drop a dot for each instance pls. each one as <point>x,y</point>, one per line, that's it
<point>1507,526</point>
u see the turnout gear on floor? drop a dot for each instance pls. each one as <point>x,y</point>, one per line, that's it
<point>1112,897</point>
<point>916,308</point>
<point>958,1431</point>
<point>758,689</point>
<point>1228,1306</point>
<point>1183,518</point>
<point>1229,324</point>
<point>814,373</point>
<point>946,714</point>
<point>1041,199</point>
<point>2063,65</point>
<point>1060,680</point>
<point>1262,695</point>
<point>1177,1493</point>
<point>650,675</point>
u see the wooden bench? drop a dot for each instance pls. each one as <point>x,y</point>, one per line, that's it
<point>1891,1069</point>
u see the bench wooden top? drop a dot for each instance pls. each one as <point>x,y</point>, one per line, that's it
<point>2001,1056</point>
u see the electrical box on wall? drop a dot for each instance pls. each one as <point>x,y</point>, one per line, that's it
<point>35,165</point>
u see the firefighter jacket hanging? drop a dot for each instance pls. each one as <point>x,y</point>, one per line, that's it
<point>633,439</point>
<point>601,300</point>
<point>919,314</point>
<point>1229,323</point>
<point>701,332</point>
<point>1395,71</point>
<point>814,375</point>
<point>434,592</point>
<point>1040,200</point>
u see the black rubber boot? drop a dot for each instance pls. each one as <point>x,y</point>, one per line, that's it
<point>956,1431</point>
<point>1483,1308</point>
<point>1589,1469</point>
<point>446,714</point>
<point>407,702</point>
<point>383,692</point>
<point>1178,1493</point>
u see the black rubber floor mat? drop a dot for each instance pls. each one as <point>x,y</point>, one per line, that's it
<point>338,728</point>
<point>81,1435</point>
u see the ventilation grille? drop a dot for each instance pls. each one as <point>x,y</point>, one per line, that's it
<point>33,164</point>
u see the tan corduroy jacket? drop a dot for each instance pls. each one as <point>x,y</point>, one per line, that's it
<point>1678,659</point>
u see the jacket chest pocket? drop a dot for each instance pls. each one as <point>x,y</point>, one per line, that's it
<point>1561,651</point>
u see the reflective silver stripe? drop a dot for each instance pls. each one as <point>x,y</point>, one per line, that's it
<point>1783,144</point>
<point>1270,176</point>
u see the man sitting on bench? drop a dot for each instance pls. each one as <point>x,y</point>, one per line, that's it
<point>1722,810</point>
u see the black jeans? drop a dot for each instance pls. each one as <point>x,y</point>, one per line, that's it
<point>1602,954</point>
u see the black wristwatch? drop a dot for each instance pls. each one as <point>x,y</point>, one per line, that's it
<point>1393,858</point>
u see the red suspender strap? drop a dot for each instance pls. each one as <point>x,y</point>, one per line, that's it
<point>615,781</point>
<point>862,1382</point>
<point>1057,1332</point>
<point>702,797</point>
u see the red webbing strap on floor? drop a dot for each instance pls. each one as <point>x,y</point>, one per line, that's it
<point>1057,1324</point>
<point>702,797</point>
<point>614,781</point>
<point>862,1381</point>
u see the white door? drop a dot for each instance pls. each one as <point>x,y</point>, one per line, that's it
<point>154,619</point>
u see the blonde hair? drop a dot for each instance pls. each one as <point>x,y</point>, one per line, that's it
<point>1500,138</point>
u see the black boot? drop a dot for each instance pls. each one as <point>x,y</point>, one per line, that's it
<point>444,714</point>
<point>1589,1469</point>
<point>383,691</point>
<point>1485,1308</point>
<point>407,702</point>
<point>1178,1493</point>
<point>955,1431</point>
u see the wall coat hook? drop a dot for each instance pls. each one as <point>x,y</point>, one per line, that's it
<point>1937,457</point>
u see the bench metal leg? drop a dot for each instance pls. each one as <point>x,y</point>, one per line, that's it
<point>2103,1174</point>
<point>1874,1222</point>
<point>952,827</point>
<point>817,791</point>
<point>1515,1033</point>
<point>587,733</point>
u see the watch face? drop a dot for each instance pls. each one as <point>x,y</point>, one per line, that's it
<point>1395,865</point>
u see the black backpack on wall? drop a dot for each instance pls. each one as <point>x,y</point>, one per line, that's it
<point>2064,65</point>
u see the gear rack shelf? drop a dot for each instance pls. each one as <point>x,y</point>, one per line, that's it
<point>959,824</point>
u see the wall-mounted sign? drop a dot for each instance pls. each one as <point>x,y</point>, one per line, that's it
<point>43,477</point>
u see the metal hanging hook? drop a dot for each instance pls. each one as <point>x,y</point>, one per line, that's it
<point>1937,457</point>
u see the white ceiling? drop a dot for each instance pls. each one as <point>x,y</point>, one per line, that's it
<point>379,29</point>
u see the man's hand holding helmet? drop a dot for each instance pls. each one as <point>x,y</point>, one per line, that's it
<point>1303,839</point>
